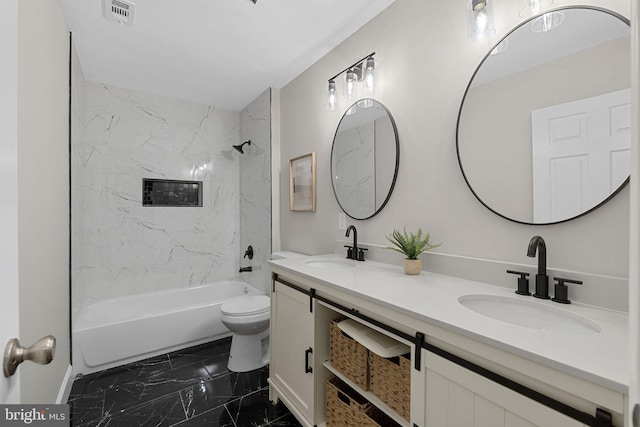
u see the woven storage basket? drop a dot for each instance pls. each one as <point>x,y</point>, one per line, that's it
<point>374,417</point>
<point>391,382</point>
<point>344,407</point>
<point>349,356</point>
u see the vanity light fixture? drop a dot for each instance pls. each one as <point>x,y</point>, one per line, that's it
<point>480,20</point>
<point>350,79</point>
<point>361,75</point>
<point>332,98</point>
<point>533,7</point>
<point>370,73</point>
<point>547,22</point>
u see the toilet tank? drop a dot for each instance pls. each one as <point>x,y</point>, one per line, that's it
<point>286,255</point>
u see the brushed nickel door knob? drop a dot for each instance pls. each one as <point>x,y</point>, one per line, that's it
<point>41,352</point>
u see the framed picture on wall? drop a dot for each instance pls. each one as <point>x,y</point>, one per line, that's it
<point>302,183</point>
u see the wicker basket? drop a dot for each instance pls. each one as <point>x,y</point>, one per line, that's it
<point>349,356</point>
<point>390,380</point>
<point>344,406</point>
<point>374,417</point>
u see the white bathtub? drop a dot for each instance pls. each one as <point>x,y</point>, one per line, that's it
<point>117,331</point>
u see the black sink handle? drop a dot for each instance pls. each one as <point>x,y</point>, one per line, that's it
<point>561,290</point>
<point>523,282</point>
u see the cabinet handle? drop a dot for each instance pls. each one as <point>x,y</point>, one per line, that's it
<point>307,367</point>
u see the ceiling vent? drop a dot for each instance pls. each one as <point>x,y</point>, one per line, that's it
<point>121,11</point>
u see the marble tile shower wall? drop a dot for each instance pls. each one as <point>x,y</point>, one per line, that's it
<point>77,200</point>
<point>129,249</point>
<point>354,166</point>
<point>255,189</point>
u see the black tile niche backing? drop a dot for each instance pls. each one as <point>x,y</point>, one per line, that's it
<point>170,192</point>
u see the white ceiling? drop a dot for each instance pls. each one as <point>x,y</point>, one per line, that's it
<point>217,52</point>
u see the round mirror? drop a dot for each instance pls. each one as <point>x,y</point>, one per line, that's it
<point>364,159</point>
<point>544,127</point>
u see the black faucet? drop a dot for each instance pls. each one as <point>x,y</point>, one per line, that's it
<point>354,248</point>
<point>536,244</point>
<point>354,252</point>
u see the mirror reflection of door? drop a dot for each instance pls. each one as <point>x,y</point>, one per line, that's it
<point>581,154</point>
<point>587,56</point>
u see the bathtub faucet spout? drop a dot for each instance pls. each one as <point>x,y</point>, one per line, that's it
<point>243,269</point>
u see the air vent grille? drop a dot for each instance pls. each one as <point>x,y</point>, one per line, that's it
<point>121,11</point>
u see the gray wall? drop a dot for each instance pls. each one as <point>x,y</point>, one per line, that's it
<point>43,188</point>
<point>425,62</point>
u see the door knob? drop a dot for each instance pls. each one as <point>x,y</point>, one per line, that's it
<point>41,352</point>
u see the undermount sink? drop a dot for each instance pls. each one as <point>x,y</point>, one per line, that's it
<point>331,263</point>
<point>530,314</point>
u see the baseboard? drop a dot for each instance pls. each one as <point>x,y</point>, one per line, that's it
<point>65,387</point>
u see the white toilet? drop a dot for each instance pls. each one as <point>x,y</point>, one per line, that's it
<point>247,316</point>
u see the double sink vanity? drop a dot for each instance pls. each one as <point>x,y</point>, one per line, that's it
<point>481,355</point>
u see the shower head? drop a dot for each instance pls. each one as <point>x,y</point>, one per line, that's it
<point>239,147</point>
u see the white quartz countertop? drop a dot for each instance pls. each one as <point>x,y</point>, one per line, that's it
<point>599,357</point>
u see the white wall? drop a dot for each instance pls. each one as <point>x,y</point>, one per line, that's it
<point>43,191</point>
<point>425,62</point>
<point>634,246</point>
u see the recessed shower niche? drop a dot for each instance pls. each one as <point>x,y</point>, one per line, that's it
<point>168,192</point>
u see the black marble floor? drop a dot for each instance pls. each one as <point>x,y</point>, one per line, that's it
<point>191,387</point>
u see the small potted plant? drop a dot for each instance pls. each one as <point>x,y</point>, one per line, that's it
<point>411,245</point>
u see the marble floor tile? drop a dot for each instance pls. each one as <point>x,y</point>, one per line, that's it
<point>255,410</point>
<point>190,387</point>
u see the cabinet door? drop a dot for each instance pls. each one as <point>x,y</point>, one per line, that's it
<point>457,397</point>
<point>292,348</point>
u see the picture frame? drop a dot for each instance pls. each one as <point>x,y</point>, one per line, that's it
<point>302,183</point>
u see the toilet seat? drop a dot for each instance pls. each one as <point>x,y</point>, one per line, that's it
<point>246,305</point>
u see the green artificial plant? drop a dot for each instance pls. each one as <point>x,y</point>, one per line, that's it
<point>409,244</point>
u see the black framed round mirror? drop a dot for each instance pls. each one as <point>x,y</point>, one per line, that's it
<point>543,132</point>
<point>364,159</point>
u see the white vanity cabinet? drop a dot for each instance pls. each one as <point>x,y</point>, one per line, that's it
<point>292,348</point>
<point>456,381</point>
<point>455,397</point>
<point>296,358</point>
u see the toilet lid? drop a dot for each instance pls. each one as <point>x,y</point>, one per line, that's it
<point>246,304</point>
